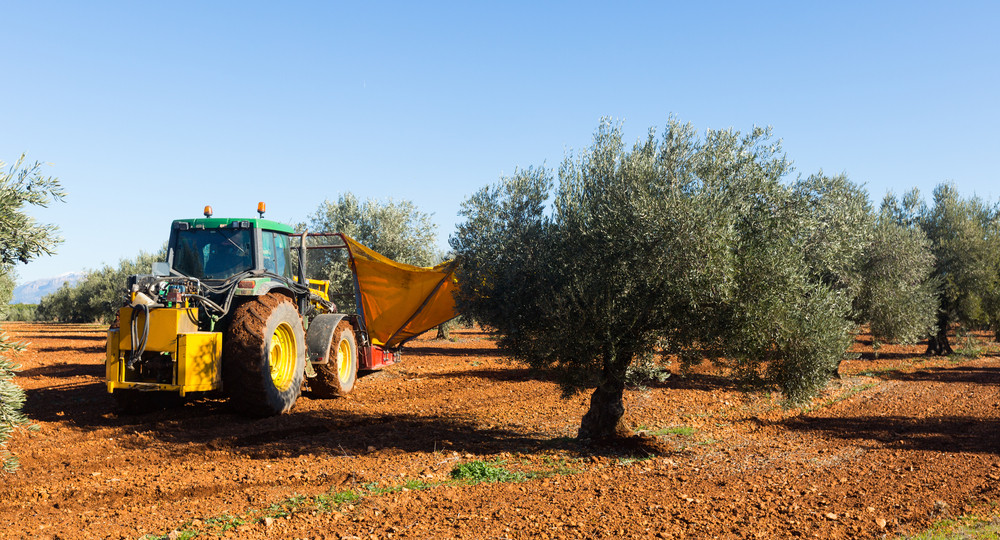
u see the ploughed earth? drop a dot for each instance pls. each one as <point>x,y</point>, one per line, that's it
<point>895,445</point>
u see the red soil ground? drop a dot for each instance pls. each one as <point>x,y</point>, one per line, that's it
<point>895,445</point>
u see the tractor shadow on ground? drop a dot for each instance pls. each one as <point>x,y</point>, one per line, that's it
<point>209,423</point>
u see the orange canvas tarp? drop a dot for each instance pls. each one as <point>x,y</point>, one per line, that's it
<point>400,301</point>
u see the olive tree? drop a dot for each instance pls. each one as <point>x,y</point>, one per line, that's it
<point>898,292</point>
<point>675,246</point>
<point>21,240</point>
<point>841,230</point>
<point>965,243</point>
<point>396,229</point>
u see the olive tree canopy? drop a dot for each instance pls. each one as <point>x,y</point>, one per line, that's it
<point>965,241</point>
<point>396,229</point>
<point>677,246</point>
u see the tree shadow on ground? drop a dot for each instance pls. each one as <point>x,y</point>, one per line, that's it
<point>96,349</point>
<point>511,374</point>
<point>869,356</point>
<point>693,381</point>
<point>421,350</point>
<point>701,381</point>
<point>961,374</point>
<point>86,335</point>
<point>63,370</point>
<point>937,434</point>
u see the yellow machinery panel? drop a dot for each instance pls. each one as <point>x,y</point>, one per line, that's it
<point>198,366</point>
<point>197,363</point>
<point>166,325</point>
<point>113,363</point>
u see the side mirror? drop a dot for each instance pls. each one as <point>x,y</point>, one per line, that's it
<point>161,269</point>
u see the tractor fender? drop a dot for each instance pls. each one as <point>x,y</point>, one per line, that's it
<point>318,336</point>
<point>275,286</point>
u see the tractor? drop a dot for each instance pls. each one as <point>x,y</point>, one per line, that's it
<point>233,310</point>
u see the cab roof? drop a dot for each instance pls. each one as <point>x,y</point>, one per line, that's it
<point>233,223</point>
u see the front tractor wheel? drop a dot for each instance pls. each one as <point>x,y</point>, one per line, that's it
<point>264,356</point>
<point>337,376</point>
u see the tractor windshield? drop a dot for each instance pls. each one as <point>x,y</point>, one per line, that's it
<point>213,253</point>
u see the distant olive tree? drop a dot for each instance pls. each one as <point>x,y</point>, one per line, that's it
<point>396,229</point>
<point>61,305</point>
<point>992,298</point>
<point>966,245</point>
<point>898,292</point>
<point>21,240</point>
<point>843,233</point>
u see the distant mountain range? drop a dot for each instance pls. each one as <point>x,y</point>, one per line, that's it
<point>33,291</point>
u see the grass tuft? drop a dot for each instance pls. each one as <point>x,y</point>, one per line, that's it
<point>480,471</point>
<point>685,431</point>
<point>968,527</point>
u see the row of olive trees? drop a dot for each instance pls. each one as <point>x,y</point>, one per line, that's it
<point>20,312</point>
<point>96,297</point>
<point>695,247</point>
<point>21,240</point>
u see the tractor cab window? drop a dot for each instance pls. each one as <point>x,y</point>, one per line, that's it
<point>213,253</point>
<point>282,255</point>
<point>267,251</point>
<point>276,254</point>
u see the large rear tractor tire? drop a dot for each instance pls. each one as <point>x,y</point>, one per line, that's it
<point>264,356</point>
<point>337,376</point>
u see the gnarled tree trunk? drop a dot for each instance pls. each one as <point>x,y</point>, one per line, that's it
<point>606,405</point>
<point>606,410</point>
<point>937,345</point>
<point>443,331</point>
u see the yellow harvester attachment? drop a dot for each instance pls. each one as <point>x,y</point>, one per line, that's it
<point>400,301</point>
<point>172,333</point>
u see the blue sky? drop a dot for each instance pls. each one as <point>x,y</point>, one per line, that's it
<point>149,111</point>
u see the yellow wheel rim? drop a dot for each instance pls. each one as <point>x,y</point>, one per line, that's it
<point>282,356</point>
<point>344,360</point>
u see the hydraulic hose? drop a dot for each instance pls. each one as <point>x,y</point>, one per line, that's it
<point>139,339</point>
